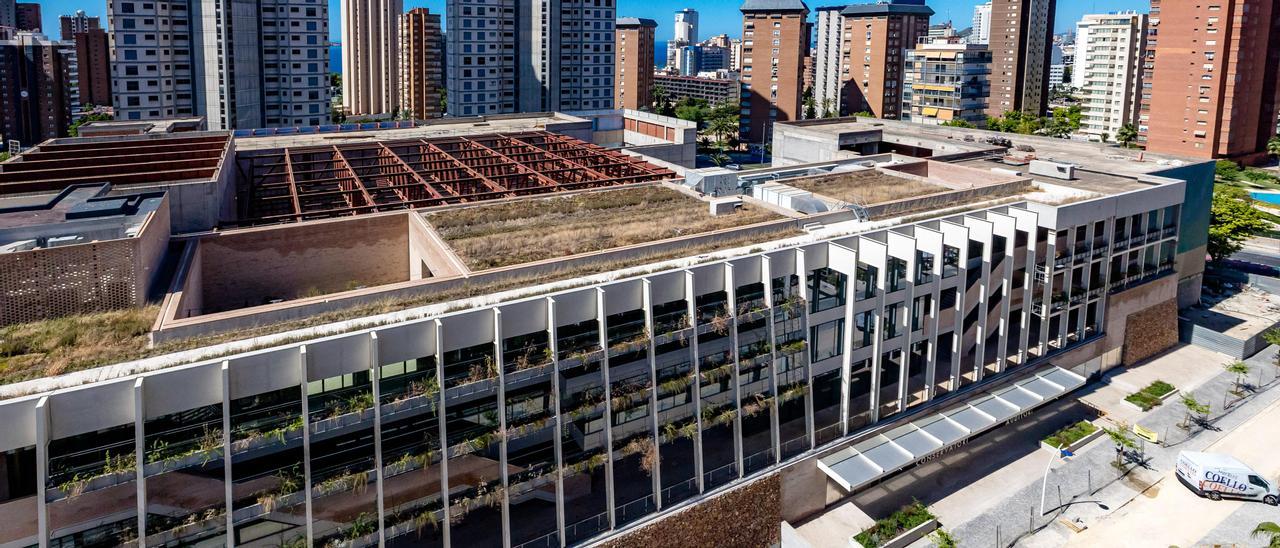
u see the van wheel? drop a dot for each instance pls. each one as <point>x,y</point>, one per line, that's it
<point>1271,499</point>
<point>1214,495</point>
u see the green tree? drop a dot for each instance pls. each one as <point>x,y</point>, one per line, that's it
<point>693,110</point>
<point>1239,369</point>
<point>959,123</point>
<point>863,114</point>
<point>1272,336</point>
<point>1273,146</point>
<point>1193,408</point>
<point>1123,441</point>
<point>1126,135</point>
<point>1016,121</point>
<point>1064,122</point>
<point>74,129</point>
<point>4,156</point>
<point>1227,170</point>
<point>1268,531</point>
<point>1232,220</point>
<point>810,105</point>
<point>828,108</point>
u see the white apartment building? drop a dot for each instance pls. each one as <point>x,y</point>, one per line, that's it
<point>240,66</point>
<point>1108,71</point>
<point>504,57</point>
<point>826,58</point>
<point>981,24</point>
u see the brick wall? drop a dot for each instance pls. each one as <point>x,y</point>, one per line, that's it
<point>747,516</point>
<point>1150,331</point>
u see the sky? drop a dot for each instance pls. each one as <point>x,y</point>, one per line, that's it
<point>715,16</point>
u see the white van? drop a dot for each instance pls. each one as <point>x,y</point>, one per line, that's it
<point>1215,476</point>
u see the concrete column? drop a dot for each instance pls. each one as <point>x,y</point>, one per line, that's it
<point>226,453</point>
<point>696,366</point>
<point>803,289</point>
<point>444,435</point>
<point>877,339</point>
<point>603,333</point>
<point>646,299</point>
<point>306,441</point>
<point>1006,290</point>
<point>775,433</point>
<point>42,471</point>
<point>375,375</point>
<point>557,443</point>
<point>140,459</point>
<point>731,307</point>
<point>502,427</point>
<point>1028,296</point>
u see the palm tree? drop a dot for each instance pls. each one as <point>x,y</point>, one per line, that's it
<point>1267,530</point>
<point>1240,369</point>
<point>1126,134</point>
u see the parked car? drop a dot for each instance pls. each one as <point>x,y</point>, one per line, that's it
<point>1215,476</point>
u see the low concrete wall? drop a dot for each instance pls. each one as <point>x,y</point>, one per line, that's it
<point>529,274</point>
<point>941,199</point>
<point>749,515</point>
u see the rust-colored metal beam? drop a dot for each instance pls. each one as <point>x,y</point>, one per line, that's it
<point>483,180</point>
<point>364,191</point>
<point>293,187</point>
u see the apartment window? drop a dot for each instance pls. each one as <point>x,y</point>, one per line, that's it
<point>826,340</point>
<point>828,289</point>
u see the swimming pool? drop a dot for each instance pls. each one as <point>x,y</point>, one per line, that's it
<point>1268,197</point>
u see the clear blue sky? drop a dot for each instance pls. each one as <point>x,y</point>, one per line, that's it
<point>715,16</point>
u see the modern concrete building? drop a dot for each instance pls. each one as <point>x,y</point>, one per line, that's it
<point>633,62</point>
<point>8,13</point>
<point>183,59</point>
<point>1211,73</point>
<point>523,67</point>
<point>874,54</point>
<point>981,30</point>
<point>947,80</point>
<point>79,252</point>
<point>1109,52</point>
<point>371,56</point>
<point>36,92</point>
<point>628,393</point>
<point>421,63</point>
<point>711,90</point>
<point>1020,41</point>
<point>93,57</point>
<point>775,42</point>
<point>27,17</point>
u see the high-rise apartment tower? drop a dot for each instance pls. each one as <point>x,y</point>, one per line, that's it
<point>775,40</point>
<point>370,56</point>
<point>1021,45</point>
<point>633,70</point>
<point>421,63</point>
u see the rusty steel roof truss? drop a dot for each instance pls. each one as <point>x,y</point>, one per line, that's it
<point>301,183</point>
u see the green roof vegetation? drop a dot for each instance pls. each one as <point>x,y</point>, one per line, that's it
<point>496,235</point>
<point>64,345</point>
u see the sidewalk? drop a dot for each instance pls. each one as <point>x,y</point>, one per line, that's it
<point>1185,367</point>
<point>1087,488</point>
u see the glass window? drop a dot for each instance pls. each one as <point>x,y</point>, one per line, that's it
<point>897,274</point>
<point>827,288</point>
<point>950,261</point>
<point>866,281</point>
<point>826,340</point>
<point>865,325</point>
<point>924,267</point>
<point>891,313</point>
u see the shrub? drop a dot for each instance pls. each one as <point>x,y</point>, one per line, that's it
<point>1150,396</point>
<point>1070,434</point>
<point>884,530</point>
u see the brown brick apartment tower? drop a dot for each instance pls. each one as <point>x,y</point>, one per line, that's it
<point>1212,68</point>
<point>633,71</point>
<point>876,38</point>
<point>421,63</point>
<point>1021,42</point>
<point>775,39</point>
<point>93,57</point>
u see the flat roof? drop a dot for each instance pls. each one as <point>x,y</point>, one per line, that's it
<point>79,214</point>
<point>120,160</point>
<point>350,178</point>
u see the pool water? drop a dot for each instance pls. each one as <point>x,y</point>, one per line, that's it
<point>1268,197</point>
